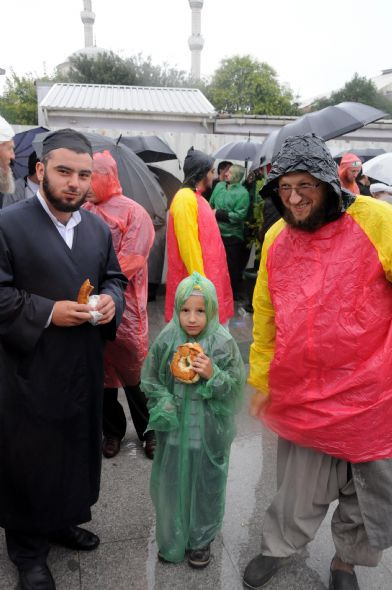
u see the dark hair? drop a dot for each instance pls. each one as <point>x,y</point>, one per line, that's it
<point>223,165</point>
<point>31,163</point>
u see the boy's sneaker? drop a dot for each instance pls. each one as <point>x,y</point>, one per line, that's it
<point>199,558</point>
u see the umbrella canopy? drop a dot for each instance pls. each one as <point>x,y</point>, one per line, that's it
<point>379,168</point>
<point>23,147</point>
<point>136,180</point>
<point>149,148</point>
<point>169,183</point>
<point>327,123</point>
<point>239,150</point>
<point>364,154</point>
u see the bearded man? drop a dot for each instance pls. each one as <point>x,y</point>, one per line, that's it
<point>7,184</point>
<point>321,363</point>
<point>51,359</point>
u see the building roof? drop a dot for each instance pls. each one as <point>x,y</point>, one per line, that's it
<point>137,99</point>
<point>383,80</point>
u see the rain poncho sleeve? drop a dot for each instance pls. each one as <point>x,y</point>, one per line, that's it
<point>235,201</point>
<point>194,426</point>
<point>184,211</point>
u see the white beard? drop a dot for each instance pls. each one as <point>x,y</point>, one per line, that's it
<point>7,182</point>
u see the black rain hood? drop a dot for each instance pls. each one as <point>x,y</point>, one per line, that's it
<point>308,153</point>
<point>196,166</point>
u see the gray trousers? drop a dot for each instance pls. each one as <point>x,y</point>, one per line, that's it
<point>308,481</point>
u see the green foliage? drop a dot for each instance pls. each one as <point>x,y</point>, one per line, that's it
<point>255,222</point>
<point>18,104</point>
<point>243,85</point>
<point>109,68</point>
<point>358,89</point>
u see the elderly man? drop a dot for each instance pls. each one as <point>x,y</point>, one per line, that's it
<point>321,363</point>
<point>51,361</point>
<point>7,154</point>
<point>194,243</point>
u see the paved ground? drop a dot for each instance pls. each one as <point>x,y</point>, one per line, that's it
<point>124,519</point>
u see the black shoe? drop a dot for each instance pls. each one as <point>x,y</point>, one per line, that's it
<point>149,447</point>
<point>37,577</point>
<point>75,538</point>
<point>199,558</point>
<point>340,580</point>
<point>261,569</point>
<point>111,446</point>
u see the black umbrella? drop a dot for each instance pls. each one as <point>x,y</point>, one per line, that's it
<point>23,147</point>
<point>328,123</point>
<point>169,183</point>
<point>136,180</point>
<point>149,148</point>
<point>239,150</point>
<point>364,154</point>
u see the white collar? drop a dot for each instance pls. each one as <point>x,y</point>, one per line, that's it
<point>73,220</point>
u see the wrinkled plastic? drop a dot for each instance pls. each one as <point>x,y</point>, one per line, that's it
<point>196,166</point>
<point>233,199</point>
<point>323,333</point>
<point>349,161</point>
<point>194,244</point>
<point>194,426</point>
<point>133,235</point>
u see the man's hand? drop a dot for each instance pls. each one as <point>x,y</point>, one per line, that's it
<point>106,307</point>
<point>257,402</point>
<point>203,366</point>
<point>70,313</point>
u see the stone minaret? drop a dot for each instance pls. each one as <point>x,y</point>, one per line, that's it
<point>88,18</point>
<point>196,41</point>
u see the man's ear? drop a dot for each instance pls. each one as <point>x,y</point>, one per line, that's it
<point>40,170</point>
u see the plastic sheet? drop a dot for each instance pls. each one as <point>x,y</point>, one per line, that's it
<point>133,235</point>
<point>194,427</point>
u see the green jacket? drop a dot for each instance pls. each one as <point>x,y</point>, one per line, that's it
<point>234,199</point>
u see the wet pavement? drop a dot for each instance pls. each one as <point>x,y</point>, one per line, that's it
<point>124,520</point>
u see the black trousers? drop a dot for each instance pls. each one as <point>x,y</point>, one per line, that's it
<point>237,256</point>
<point>114,419</point>
<point>27,549</point>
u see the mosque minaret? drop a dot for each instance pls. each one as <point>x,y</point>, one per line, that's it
<point>88,18</point>
<point>196,41</point>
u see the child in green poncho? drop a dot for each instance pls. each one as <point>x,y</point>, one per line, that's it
<point>193,423</point>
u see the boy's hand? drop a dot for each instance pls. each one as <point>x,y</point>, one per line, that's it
<point>203,366</point>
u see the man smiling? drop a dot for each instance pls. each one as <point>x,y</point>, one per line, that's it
<point>321,363</point>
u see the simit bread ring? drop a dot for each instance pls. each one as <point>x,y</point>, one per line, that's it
<point>85,291</point>
<point>181,365</point>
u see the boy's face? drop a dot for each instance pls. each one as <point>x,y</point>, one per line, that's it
<point>193,317</point>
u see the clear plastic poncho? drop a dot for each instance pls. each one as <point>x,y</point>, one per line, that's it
<point>194,427</point>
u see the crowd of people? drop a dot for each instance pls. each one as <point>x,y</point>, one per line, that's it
<point>319,361</point>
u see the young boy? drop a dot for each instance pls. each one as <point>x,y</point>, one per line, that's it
<point>194,424</point>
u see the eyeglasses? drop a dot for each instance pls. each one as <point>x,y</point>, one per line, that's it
<point>303,189</point>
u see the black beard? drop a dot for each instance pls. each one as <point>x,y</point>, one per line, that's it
<point>55,201</point>
<point>314,221</point>
<point>7,182</point>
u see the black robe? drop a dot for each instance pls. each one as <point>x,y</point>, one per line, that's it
<point>51,379</point>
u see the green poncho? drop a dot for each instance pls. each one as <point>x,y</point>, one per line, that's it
<point>194,427</point>
<point>235,200</point>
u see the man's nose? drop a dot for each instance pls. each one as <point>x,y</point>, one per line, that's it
<point>73,180</point>
<point>295,198</point>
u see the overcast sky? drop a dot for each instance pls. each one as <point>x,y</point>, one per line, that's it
<point>315,47</point>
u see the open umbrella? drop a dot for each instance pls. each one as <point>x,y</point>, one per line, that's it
<point>364,154</point>
<point>23,147</point>
<point>328,123</point>
<point>169,183</point>
<point>136,180</point>
<point>379,168</point>
<point>243,151</point>
<point>149,148</point>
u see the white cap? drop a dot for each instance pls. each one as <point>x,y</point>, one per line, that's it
<point>379,187</point>
<point>6,131</point>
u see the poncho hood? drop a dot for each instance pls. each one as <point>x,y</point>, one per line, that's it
<point>104,180</point>
<point>196,166</point>
<point>308,153</point>
<point>237,173</point>
<point>193,284</point>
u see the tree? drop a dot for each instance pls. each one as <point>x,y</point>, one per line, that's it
<point>109,68</point>
<point>244,85</point>
<point>358,89</point>
<point>18,104</point>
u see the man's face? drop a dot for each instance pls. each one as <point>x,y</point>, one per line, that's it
<point>303,197</point>
<point>6,153</point>
<point>352,173</point>
<point>65,179</point>
<point>225,174</point>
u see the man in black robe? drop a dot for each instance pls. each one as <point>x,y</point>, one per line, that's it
<point>51,369</point>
